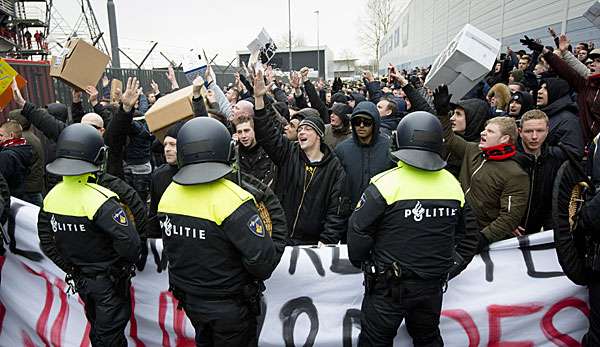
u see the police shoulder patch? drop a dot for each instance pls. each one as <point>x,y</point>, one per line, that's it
<point>256,226</point>
<point>361,202</point>
<point>120,217</point>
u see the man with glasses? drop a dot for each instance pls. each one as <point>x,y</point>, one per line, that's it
<point>365,154</point>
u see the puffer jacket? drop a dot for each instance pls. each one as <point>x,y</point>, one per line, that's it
<point>496,190</point>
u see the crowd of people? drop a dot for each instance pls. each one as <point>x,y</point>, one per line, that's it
<point>316,150</point>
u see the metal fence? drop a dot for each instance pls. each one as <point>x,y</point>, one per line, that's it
<point>63,91</point>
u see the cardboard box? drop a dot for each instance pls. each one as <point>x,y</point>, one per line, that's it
<point>116,89</point>
<point>79,64</point>
<point>593,14</point>
<point>168,110</point>
<point>465,61</point>
<point>7,74</point>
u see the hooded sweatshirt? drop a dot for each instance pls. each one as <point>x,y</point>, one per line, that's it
<point>477,113</point>
<point>526,101</point>
<point>564,126</point>
<point>362,161</point>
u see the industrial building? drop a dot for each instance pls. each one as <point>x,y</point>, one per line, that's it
<point>424,27</point>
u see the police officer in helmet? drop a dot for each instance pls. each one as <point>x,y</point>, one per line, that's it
<point>93,239</point>
<point>408,234</point>
<point>216,243</point>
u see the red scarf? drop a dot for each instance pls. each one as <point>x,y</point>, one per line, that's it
<point>13,142</point>
<point>499,152</point>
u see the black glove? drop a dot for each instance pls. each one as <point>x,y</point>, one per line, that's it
<point>532,45</point>
<point>441,100</point>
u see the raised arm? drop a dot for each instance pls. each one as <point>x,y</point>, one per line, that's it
<point>277,146</point>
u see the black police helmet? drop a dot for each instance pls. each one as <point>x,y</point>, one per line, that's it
<point>79,150</point>
<point>419,139</point>
<point>204,151</point>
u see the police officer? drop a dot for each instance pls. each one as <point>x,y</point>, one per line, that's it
<point>406,231</point>
<point>216,243</point>
<point>93,240</point>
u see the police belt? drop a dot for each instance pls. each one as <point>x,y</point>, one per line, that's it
<point>394,273</point>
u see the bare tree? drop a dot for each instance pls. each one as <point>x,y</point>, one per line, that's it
<point>348,56</point>
<point>375,24</point>
<point>283,41</point>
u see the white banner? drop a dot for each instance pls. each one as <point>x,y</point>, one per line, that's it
<point>515,293</point>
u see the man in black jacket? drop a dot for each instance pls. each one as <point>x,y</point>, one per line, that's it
<point>564,127</point>
<point>309,175</point>
<point>542,164</point>
<point>16,157</point>
<point>253,159</point>
<point>34,182</point>
<point>367,153</point>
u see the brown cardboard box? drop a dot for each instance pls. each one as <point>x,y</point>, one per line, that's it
<point>114,85</point>
<point>168,110</point>
<point>79,64</point>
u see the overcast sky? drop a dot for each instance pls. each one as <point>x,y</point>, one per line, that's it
<point>222,26</point>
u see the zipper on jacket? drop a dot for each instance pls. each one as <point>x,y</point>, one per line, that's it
<point>509,199</point>
<point>479,168</point>
<point>531,185</point>
<point>302,199</point>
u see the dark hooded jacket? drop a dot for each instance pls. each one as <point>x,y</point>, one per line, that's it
<point>526,101</point>
<point>564,126</point>
<point>15,164</point>
<point>363,161</point>
<point>477,113</point>
<point>336,135</point>
<point>310,192</point>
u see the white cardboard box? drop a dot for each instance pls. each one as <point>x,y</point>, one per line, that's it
<point>593,14</point>
<point>464,62</point>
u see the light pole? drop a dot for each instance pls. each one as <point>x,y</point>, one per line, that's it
<point>318,48</point>
<point>290,36</point>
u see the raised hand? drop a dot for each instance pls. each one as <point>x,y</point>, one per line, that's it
<point>92,93</point>
<point>154,87</point>
<point>17,97</point>
<point>532,44</point>
<point>563,43</point>
<point>295,80</point>
<point>197,83</point>
<point>304,74</point>
<point>171,77</point>
<point>260,89</point>
<point>131,95</point>
<point>441,99</point>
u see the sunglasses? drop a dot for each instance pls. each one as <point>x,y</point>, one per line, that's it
<point>362,121</point>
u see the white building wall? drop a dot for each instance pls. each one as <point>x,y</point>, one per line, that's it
<point>425,27</point>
